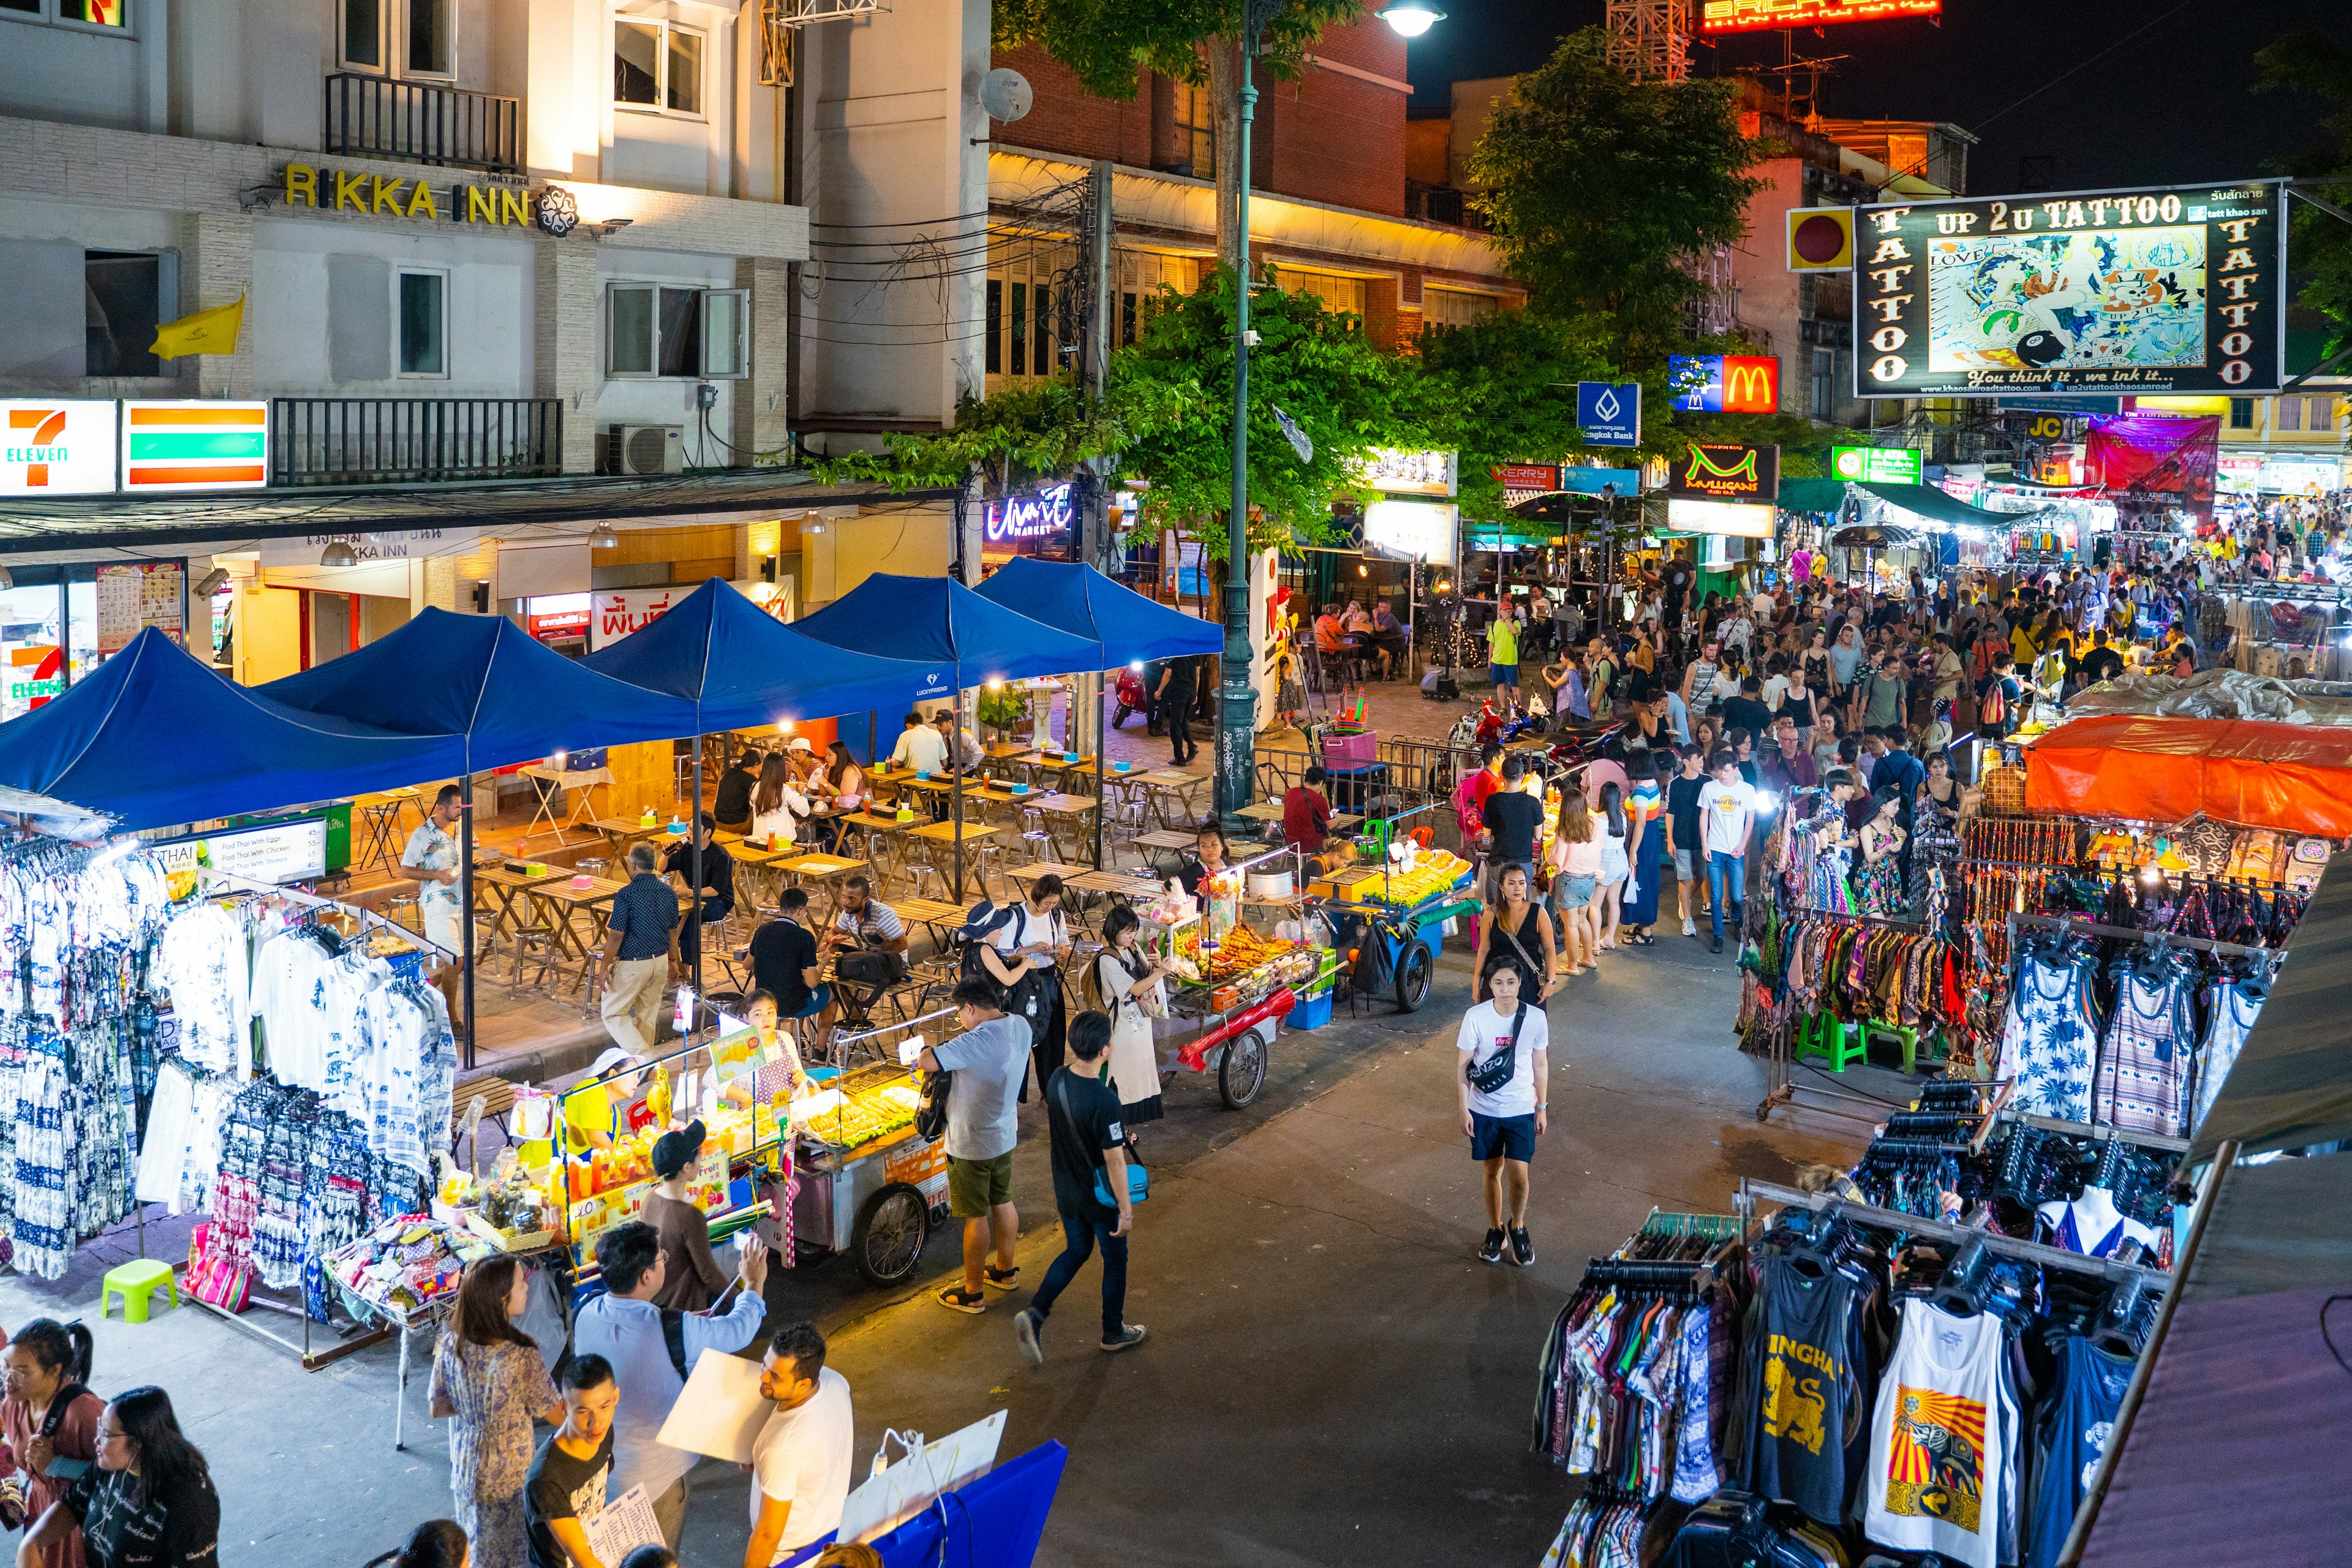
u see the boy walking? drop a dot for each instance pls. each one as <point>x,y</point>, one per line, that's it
<point>1726,809</point>
<point>1082,1117</point>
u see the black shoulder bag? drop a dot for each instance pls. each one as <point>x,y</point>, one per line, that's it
<point>1492,1075</point>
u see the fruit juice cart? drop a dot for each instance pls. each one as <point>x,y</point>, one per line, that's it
<point>1395,904</point>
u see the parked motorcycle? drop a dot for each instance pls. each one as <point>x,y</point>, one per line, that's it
<point>1132,699</point>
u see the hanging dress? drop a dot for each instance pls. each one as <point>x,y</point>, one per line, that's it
<point>1645,806</point>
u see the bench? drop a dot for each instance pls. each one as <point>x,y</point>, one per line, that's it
<point>498,1098</point>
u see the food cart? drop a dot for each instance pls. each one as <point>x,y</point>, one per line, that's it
<point>1396,904</point>
<point>869,1186</point>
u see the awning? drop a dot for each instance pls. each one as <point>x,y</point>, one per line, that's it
<point>938,621</point>
<point>1940,506</point>
<point>2296,778</point>
<point>1811,494</point>
<point>1075,598</point>
<point>741,666</point>
<point>492,506</point>
<point>154,738</point>
<point>510,697</point>
<point>2292,1084</point>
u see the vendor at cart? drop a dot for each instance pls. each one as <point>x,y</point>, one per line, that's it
<point>588,1112</point>
<point>779,1074</point>
<point>1207,859</point>
<point>693,1279</point>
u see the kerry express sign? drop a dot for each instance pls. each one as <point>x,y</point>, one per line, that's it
<point>323,188</point>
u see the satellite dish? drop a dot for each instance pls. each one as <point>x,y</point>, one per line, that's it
<point>1005,94</point>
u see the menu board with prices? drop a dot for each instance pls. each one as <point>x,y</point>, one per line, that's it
<point>131,598</point>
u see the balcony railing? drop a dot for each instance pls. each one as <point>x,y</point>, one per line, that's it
<point>375,116</point>
<point>1441,204</point>
<point>413,440</point>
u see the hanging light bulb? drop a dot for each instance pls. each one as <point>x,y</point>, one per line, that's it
<point>601,537</point>
<point>338,553</point>
<point>1412,18</point>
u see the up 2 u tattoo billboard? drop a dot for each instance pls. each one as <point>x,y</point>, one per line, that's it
<point>2154,291</point>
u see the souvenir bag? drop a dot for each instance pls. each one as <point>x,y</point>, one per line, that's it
<point>213,1277</point>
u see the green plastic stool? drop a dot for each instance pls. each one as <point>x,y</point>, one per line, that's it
<point>136,1282</point>
<point>1823,1035</point>
<point>1907,1038</point>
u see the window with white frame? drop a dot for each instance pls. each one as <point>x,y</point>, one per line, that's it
<point>664,330</point>
<point>1456,307</point>
<point>656,66</point>
<point>1338,293</point>
<point>420,313</point>
<point>399,37</point>
<point>102,15</point>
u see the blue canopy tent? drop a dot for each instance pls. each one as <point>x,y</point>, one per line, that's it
<point>1125,626</point>
<point>155,738</point>
<point>505,696</point>
<point>938,621</point>
<point>740,666</point>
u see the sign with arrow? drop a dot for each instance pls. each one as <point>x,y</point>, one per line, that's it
<point>1609,413</point>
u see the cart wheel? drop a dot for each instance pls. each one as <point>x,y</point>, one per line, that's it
<point>1243,1072</point>
<point>1415,973</point>
<point>887,1241</point>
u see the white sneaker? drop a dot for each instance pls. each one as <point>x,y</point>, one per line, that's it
<point>1690,927</point>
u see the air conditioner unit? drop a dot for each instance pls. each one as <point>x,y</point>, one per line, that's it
<point>646,448</point>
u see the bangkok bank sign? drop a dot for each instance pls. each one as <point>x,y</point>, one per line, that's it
<point>1025,522</point>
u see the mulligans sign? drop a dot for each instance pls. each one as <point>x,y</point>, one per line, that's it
<point>552,208</point>
<point>2155,291</point>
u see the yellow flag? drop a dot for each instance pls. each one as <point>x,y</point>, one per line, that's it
<point>212,331</point>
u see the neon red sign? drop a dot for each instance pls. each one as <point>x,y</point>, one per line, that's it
<point>1752,16</point>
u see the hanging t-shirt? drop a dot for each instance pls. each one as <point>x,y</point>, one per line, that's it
<point>1936,1453</point>
<point>2076,1422</point>
<point>2091,1225</point>
<point>1801,1401</point>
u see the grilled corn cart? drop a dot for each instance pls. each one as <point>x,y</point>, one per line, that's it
<point>870,1186</point>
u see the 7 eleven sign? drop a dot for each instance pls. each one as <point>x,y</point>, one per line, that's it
<point>55,447</point>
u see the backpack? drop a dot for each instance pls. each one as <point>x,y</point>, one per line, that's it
<point>1992,704</point>
<point>984,920</point>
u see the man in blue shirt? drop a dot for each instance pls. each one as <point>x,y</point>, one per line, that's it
<point>626,1329</point>
<point>640,955</point>
<point>991,1061</point>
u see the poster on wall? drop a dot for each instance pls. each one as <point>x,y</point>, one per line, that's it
<point>130,598</point>
<point>2138,292</point>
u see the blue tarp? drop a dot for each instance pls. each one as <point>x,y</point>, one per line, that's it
<point>1078,599</point>
<point>483,678</point>
<point>938,621</point>
<point>743,666</point>
<point>156,739</point>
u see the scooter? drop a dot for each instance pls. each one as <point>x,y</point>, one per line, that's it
<point>1130,697</point>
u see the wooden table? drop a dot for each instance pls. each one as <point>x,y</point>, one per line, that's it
<point>1023,876</point>
<point>621,832</point>
<point>1118,884</point>
<point>885,842</point>
<point>1166,788</point>
<point>940,837</point>
<point>828,871</point>
<point>564,904</point>
<point>505,901</point>
<point>1162,839</point>
<point>379,815</point>
<point>934,915</point>
<point>1063,813</point>
<point>1045,761</point>
<point>584,780</point>
<point>1263,811</point>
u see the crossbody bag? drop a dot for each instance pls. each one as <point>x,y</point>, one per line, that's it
<point>1490,1076</point>
<point>1138,1180</point>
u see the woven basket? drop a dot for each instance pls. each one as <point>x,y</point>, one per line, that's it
<point>2004,790</point>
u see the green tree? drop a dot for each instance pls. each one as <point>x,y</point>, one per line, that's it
<point>1600,188</point>
<point>1044,431</point>
<point>1106,42</point>
<point>1502,390</point>
<point>2314,63</point>
<point>1316,366</point>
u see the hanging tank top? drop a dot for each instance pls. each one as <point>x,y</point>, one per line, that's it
<point>2144,1063</point>
<point>2049,1039</point>
<point>1936,1439</point>
<point>2075,1426</point>
<point>2233,1009</point>
<point>1801,1400</point>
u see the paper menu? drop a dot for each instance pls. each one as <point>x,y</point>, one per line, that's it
<point>623,1525</point>
<point>720,1411</point>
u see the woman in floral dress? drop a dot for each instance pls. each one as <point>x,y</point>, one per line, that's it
<point>488,1375</point>
<point>1878,883</point>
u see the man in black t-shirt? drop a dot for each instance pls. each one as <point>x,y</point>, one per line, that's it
<point>1178,690</point>
<point>1512,817</point>
<point>784,959</point>
<point>717,900</point>
<point>732,804</point>
<point>1082,1120</point>
<point>566,1484</point>
<point>1747,711</point>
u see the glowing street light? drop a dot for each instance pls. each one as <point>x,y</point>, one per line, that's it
<point>1412,18</point>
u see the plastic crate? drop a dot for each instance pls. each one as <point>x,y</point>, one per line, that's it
<point>1310,1012</point>
<point>1351,748</point>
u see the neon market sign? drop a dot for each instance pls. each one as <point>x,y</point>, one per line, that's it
<point>1030,519</point>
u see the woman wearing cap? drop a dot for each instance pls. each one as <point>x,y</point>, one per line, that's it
<point>695,1279</point>
<point>588,1110</point>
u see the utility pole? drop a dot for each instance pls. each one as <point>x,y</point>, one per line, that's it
<point>1085,735</point>
<point>1236,771</point>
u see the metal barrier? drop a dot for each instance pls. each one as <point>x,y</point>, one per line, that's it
<point>1417,770</point>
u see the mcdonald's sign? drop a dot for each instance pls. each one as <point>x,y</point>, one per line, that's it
<point>1725,384</point>
<point>1713,470</point>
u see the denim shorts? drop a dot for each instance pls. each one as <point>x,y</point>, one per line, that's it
<point>1573,892</point>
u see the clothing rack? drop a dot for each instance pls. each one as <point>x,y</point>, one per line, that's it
<point>1714,1226</point>
<point>2085,1129</point>
<point>2269,956</point>
<point>1781,1087</point>
<point>1750,1190</point>
<point>368,919</point>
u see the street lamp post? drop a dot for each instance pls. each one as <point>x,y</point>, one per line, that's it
<point>1235,783</point>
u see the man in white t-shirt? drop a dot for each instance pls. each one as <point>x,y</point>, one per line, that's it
<point>801,1459</point>
<point>1727,815</point>
<point>1503,1122</point>
<point>432,857</point>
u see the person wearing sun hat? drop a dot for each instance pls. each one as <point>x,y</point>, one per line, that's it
<point>693,1278</point>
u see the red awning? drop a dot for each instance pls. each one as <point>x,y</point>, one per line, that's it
<point>2296,778</point>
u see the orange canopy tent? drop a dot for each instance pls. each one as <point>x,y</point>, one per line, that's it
<point>2296,778</point>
